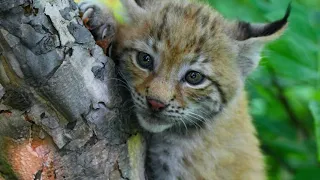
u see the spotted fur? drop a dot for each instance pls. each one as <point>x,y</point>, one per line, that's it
<point>204,131</point>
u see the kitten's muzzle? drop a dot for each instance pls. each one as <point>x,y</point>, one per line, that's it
<point>156,105</point>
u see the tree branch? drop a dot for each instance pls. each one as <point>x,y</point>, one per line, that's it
<point>61,114</point>
<point>301,129</point>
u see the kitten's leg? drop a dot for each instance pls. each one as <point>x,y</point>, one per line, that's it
<point>99,20</point>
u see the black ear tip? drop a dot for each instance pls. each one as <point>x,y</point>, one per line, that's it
<point>275,26</point>
<point>288,12</point>
<point>248,30</point>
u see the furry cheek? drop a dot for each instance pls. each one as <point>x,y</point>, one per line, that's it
<point>197,95</point>
<point>207,100</point>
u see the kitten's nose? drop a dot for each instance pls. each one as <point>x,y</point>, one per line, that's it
<point>155,105</point>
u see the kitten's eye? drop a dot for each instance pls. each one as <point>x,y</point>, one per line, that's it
<point>194,78</point>
<point>145,61</point>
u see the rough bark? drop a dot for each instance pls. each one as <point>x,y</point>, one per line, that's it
<point>63,114</point>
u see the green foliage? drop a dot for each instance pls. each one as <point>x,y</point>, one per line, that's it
<point>315,109</point>
<point>6,171</point>
<point>285,89</point>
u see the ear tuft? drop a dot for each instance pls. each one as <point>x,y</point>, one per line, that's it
<point>247,30</point>
<point>251,39</point>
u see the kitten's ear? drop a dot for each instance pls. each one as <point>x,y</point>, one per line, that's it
<point>252,37</point>
<point>268,31</point>
<point>133,9</point>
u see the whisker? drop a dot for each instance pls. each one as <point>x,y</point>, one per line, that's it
<point>203,112</point>
<point>126,87</point>
<point>200,118</point>
<point>129,108</point>
<point>184,124</point>
<point>117,79</point>
<point>192,121</point>
<point>127,101</point>
<point>121,75</point>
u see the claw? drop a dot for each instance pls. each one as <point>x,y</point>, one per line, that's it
<point>98,21</point>
<point>104,33</point>
<point>88,13</point>
<point>104,44</point>
<point>85,23</point>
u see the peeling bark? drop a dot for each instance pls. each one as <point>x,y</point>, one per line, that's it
<point>63,114</point>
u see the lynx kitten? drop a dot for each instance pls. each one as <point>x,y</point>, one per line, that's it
<point>185,66</point>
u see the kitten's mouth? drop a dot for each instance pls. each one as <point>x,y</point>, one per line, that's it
<point>153,122</point>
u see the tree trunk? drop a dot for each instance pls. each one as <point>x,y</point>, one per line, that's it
<point>63,114</point>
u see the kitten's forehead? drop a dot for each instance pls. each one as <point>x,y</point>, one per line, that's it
<point>180,30</point>
<point>177,29</point>
<point>184,21</point>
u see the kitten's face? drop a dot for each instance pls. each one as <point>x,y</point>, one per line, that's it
<point>180,67</point>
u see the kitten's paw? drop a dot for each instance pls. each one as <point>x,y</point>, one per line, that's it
<point>99,20</point>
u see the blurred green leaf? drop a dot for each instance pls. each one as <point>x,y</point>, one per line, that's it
<point>312,173</point>
<point>287,146</point>
<point>315,109</point>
